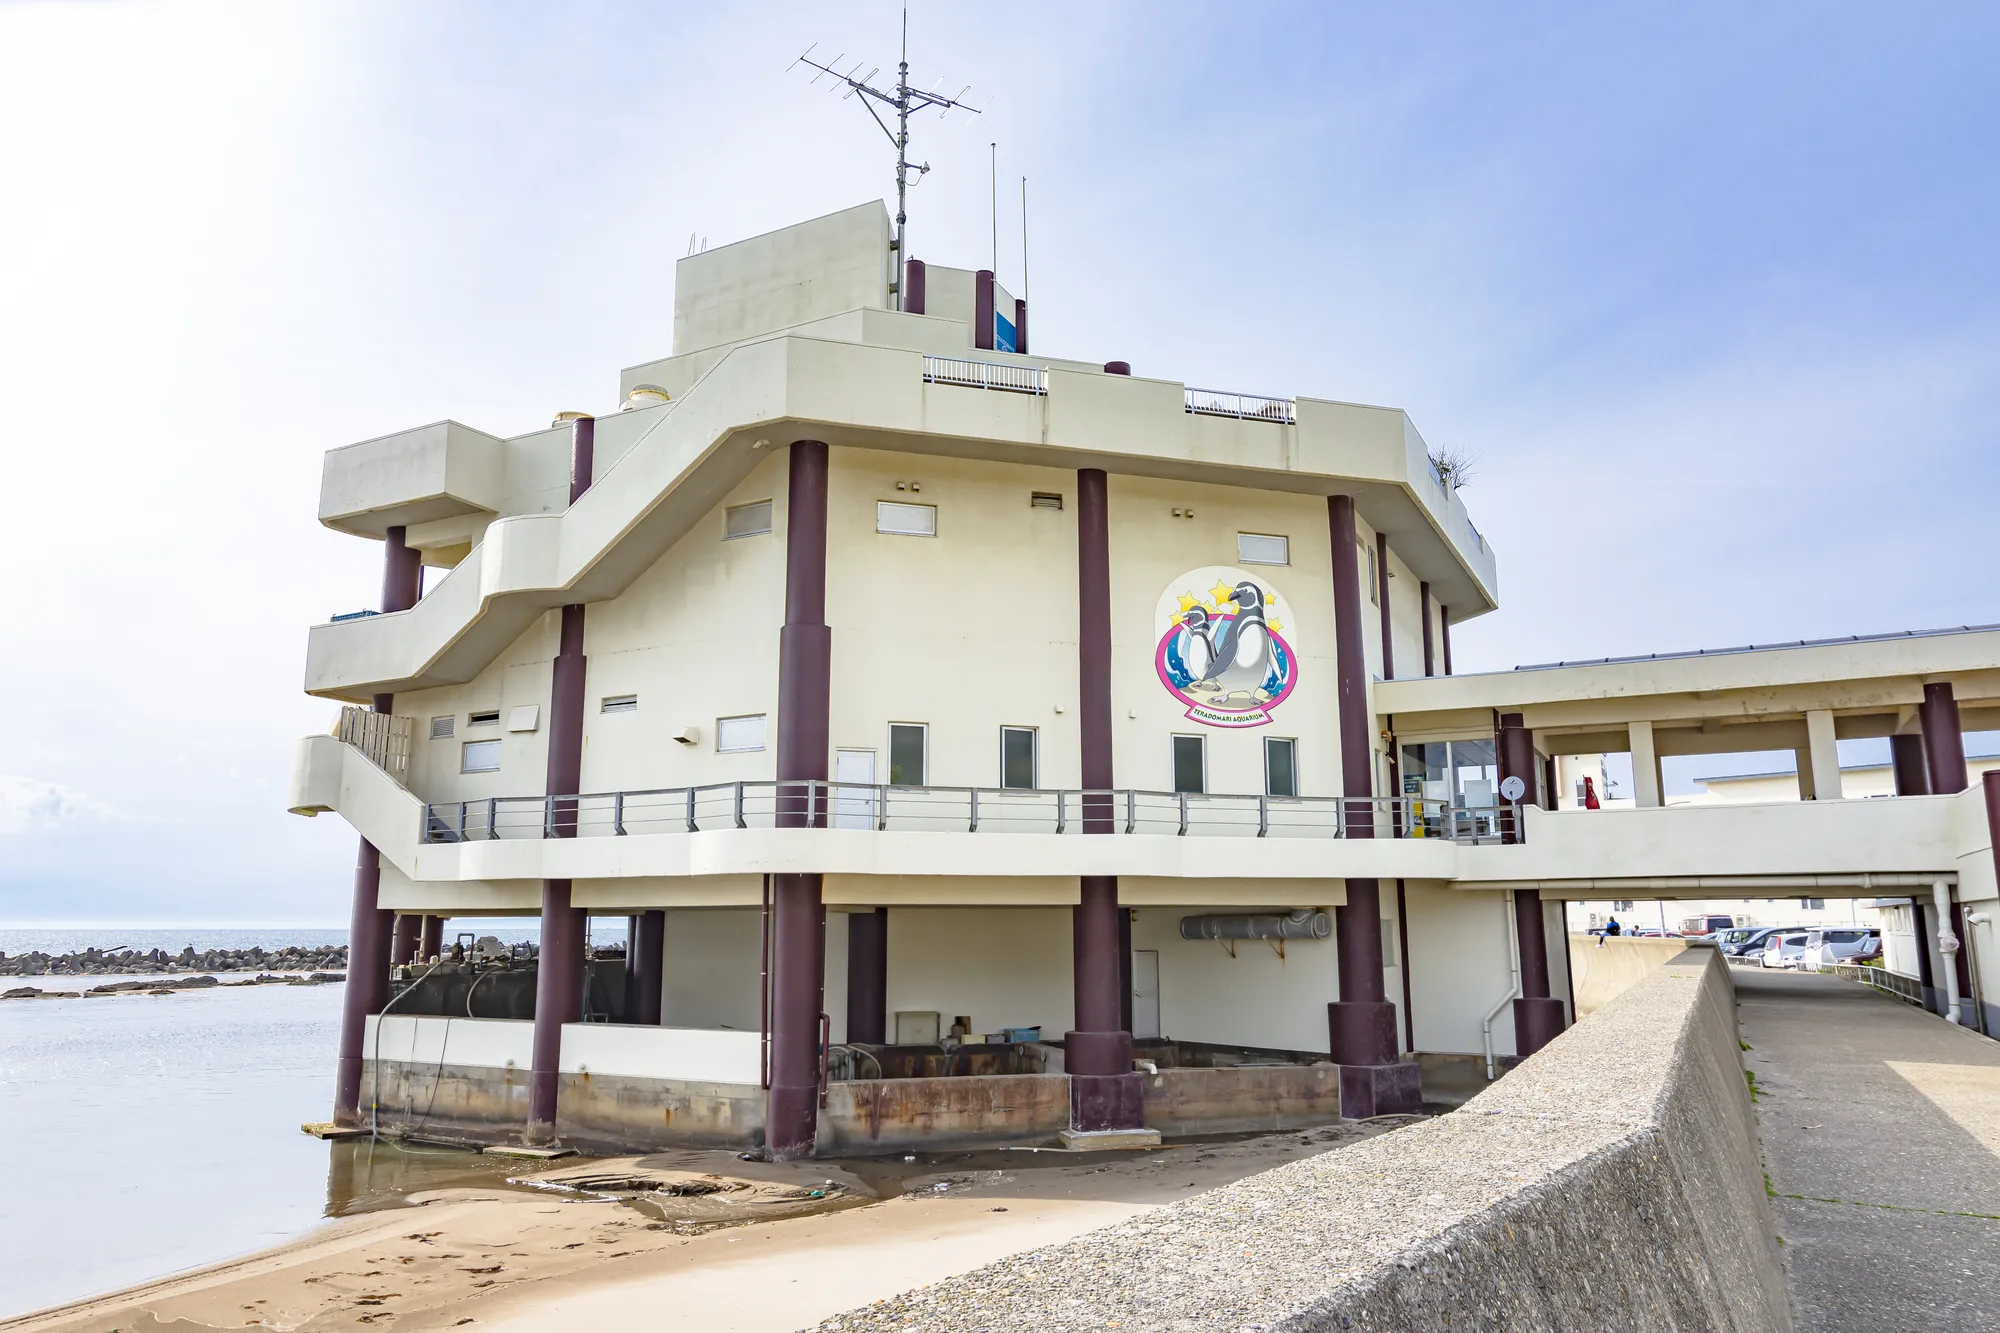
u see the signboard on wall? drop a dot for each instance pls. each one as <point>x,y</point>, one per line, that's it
<point>1004,337</point>
<point>1223,649</point>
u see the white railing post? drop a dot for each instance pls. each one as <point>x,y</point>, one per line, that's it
<point>692,827</point>
<point>1263,814</point>
<point>1184,803</point>
<point>618,814</point>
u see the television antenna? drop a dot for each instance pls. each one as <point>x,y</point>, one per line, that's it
<point>904,101</point>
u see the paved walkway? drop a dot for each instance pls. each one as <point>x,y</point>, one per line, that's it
<point>1881,1127</point>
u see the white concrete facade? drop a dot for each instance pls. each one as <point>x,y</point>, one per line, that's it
<point>970,629</point>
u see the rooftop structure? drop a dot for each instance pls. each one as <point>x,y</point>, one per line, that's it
<point>981,745</point>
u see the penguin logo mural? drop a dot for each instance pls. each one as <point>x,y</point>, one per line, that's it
<point>1221,649</point>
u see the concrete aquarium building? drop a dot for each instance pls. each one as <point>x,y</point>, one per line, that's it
<point>978,746</point>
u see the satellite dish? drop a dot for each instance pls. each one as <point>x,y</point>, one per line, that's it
<point>1513,789</point>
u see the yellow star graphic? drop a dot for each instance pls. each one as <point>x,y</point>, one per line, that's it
<point>1189,603</point>
<point>1222,593</point>
<point>1273,623</point>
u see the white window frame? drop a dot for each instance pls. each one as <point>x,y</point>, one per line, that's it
<point>1173,761</point>
<point>1243,556</point>
<point>1034,757</point>
<point>763,735</point>
<point>1293,742</point>
<point>885,508</point>
<point>483,718</point>
<point>729,514</point>
<point>618,703</point>
<point>924,731</point>
<point>484,747</point>
<point>1374,576</point>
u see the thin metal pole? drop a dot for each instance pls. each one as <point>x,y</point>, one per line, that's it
<point>1024,239</point>
<point>993,197</point>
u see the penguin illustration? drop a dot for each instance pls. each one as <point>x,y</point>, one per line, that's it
<point>1243,660</point>
<point>1197,649</point>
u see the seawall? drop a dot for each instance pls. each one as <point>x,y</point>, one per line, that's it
<point>1612,1181</point>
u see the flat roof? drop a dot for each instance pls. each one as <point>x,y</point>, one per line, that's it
<point>1751,648</point>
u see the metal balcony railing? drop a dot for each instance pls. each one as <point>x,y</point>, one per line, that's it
<point>985,375</point>
<point>1242,406</point>
<point>840,805</point>
<point>383,737</point>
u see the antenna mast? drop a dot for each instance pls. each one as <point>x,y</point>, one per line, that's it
<point>903,101</point>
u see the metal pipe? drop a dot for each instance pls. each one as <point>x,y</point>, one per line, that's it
<point>1184,815</point>
<point>618,814</point>
<point>1948,946</point>
<point>1513,990</point>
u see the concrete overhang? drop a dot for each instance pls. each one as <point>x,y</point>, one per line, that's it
<point>768,394</point>
<point>1875,674</point>
<point>440,471</point>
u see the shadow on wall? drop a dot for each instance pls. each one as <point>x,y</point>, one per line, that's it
<point>1602,975</point>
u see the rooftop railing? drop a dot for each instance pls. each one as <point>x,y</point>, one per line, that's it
<point>1242,406</point>
<point>985,375</point>
<point>889,809</point>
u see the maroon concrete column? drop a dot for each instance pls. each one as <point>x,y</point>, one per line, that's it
<point>1989,783</point>
<point>402,572</point>
<point>982,309</point>
<point>559,968</point>
<point>1538,1018</point>
<point>868,977</point>
<point>1933,994</point>
<point>1097,1054</point>
<point>1906,760</point>
<point>1444,634</point>
<point>431,943</point>
<point>404,938</point>
<point>798,914</point>
<point>367,988</point>
<point>1382,604</point>
<point>370,928</point>
<point>1550,777</point>
<point>645,967</point>
<point>1118,367</point>
<point>913,287</point>
<point>1362,1023</point>
<point>1516,760</point>
<point>1430,654</point>
<point>1944,746</point>
<point>1021,327</point>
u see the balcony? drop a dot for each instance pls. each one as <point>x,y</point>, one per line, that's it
<point>887,809</point>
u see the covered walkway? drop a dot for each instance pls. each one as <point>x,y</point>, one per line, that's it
<point>1881,1130</point>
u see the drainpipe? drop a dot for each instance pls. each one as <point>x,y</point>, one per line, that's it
<point>1513,990</point>
<point>1948,947</point>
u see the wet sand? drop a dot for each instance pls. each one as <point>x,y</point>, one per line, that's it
<point>686,1239</point>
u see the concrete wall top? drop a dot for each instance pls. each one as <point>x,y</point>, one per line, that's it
<point>1631,1133</point>
<point>783,278</point>
<point>433,472</point>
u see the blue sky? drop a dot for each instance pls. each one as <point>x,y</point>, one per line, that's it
<point>1709,289</point>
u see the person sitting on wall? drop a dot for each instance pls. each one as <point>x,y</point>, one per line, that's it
<point>1611,927</point>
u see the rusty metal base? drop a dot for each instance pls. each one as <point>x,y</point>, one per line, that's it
<point>1367,1091</point>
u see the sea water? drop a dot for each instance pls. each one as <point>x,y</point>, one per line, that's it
<point>146,1134</point>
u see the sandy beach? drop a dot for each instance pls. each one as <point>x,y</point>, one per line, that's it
<point>678,1240</point>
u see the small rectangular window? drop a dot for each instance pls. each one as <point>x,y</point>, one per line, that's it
<point>906,753</point>
<point>1815,904</point>
<point>443,728</point>
<point>1017,757</point>
<point>1258,548</point>
<point>736,734</point>
<point>620,703</point>
<point>479,757</point>
<point>491,719</point>
<point>1281,767</point>
<point>901,520</point>
<point>1190,764</point>
<point>1368,572</point>
<point>1044,500</point>
<point>749,520</point>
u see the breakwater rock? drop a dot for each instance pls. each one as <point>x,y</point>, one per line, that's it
<point>144,962</point>
<point>170,986</point>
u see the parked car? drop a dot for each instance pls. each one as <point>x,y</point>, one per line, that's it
<point>1783,948</point>
<point>1745,941</point>
<point>1701,927</point>
<point>1836,944</point>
